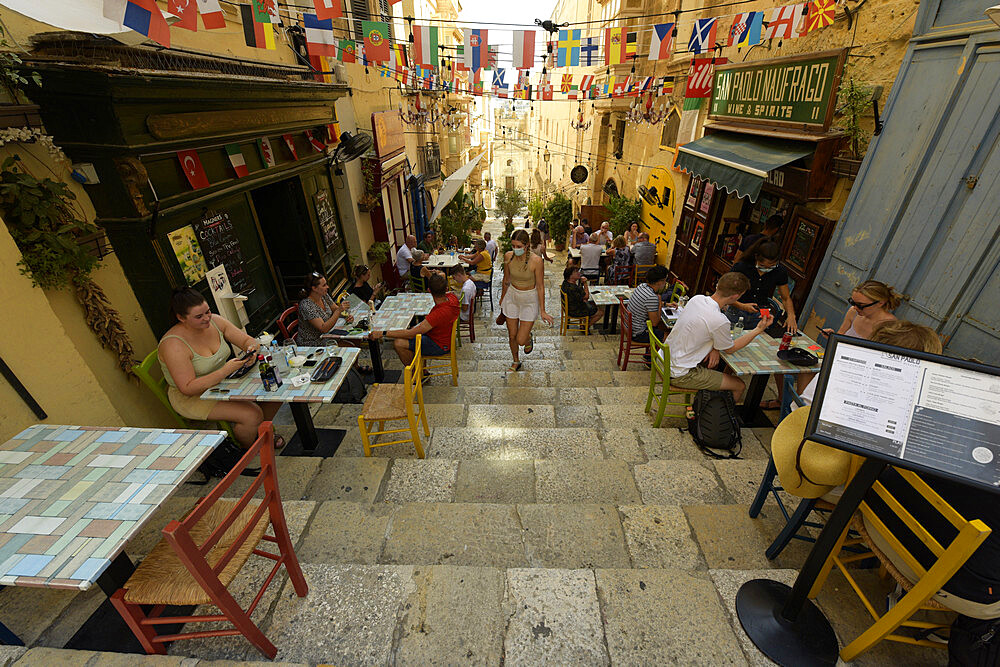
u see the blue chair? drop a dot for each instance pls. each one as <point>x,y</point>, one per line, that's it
<point>484,287</point>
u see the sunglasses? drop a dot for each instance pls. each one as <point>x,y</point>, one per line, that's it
<point>861,306</point>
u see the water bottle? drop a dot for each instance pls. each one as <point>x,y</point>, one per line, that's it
<point>738,329</point>
<point>275,373</point>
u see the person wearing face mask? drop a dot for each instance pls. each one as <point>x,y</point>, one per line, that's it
<point>522,299</point>
<point>761,267</point>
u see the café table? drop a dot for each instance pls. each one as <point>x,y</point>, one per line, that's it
<point>73,496</point>
<point>760,360</point>
<point>395,312</point>
<point>446,262</point>
<point>607,296</point>
<point>308,440</point>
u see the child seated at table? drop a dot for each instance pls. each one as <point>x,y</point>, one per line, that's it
<point>702,332</point>
<point>468,290</point>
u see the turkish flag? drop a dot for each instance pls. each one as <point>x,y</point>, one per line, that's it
<point>191,165</point>
<point>187,11</point>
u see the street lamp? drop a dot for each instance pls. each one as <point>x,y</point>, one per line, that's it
<point>545,157</point>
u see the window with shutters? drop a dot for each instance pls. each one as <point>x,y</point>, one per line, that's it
<point>359,13</point>
<point>668,137</point>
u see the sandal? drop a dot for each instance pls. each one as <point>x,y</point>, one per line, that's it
<point>514,367</point>
<point>530,346</point>
<point>772,404</point>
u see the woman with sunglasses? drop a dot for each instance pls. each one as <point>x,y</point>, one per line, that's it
<point>360,287</point>
<point>871,302</point>
<point>317,311</point>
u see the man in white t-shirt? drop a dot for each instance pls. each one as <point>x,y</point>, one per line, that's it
<point>468,287</point>
<point>404,256</point>
<point>491,245</point>
<point>702,332</point>
<point>590,258</point>
<point>604,236</point>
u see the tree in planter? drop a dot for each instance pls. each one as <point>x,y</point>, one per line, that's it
<point>624,212</point>
<point>378,253</point>
<point>853,100</point>
<point>536,207</point>
<point>509,204</point>
<point>559,213</point>
<point>458,219</point>
<point>46,229</point>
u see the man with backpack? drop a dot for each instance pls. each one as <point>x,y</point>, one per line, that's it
<point>702,331</point>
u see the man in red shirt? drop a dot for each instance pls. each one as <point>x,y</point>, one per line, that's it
<point>435,329</point>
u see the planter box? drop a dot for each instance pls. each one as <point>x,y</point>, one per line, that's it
<point>845,166</point>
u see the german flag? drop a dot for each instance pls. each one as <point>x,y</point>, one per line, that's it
<point>257,35</point>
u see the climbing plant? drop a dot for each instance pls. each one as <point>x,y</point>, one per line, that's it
<point>624,212</point>
<point>46,229</point>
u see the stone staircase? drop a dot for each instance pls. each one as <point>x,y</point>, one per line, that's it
<point>548,524</point>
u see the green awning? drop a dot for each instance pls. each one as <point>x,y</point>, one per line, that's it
<point>739,163</point>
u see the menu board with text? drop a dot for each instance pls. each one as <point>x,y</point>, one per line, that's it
<point>217,238</point>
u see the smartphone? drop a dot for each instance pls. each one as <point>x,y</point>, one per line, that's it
<point>310,363</point>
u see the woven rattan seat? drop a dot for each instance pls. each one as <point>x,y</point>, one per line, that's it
<point>161,578</point>
<point>858,524</point>
<point>385,401</point>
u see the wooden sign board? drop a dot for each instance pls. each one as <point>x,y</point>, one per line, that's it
<point>388,129</point>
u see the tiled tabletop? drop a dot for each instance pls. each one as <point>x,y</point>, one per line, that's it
<point>442,261</point>
<point>71,497</point>
<point>607,295</point>
<point>248,387</point>
<point>574,253</point>
<point>760,357</point>
<point>397,310</point>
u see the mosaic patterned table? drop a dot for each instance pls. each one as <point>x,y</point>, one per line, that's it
<point>574,253</point>
<point>71,497</point>
<point>307,438</point>
<point>760,359</point>
<point>442,261</point>
<point>607,295</point>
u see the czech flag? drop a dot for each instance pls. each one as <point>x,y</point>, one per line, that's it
<point>476,49</point>
<point>662,41</point>
<point>143,16</point>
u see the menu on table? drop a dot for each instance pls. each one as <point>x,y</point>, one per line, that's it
<point>916,410</point>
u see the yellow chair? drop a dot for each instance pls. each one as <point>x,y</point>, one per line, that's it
<point>392,402</point>
<point>143,371</point>
<point>924,576</point>
<point>450,361</point>
<point>567,323</point>
<point>659,374</point>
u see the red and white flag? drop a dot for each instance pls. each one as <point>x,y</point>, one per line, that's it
<point>699,83</point>
<point>425,45</point>
<point>191,164</point>
<point>211,14</point>
<point>333,132</point>
<point>524,49</point>
<point>585,83</point>
<point>266,152</point>
<point>186,11</point>
<point>290,143</point>
<point>328,9</point>
<point>785,22</point>
<point>314,142</point>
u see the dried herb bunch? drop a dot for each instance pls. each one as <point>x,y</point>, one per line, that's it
<point>45,226</point>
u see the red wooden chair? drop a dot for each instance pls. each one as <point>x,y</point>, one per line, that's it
<point>288,323</point>
<point>200,555</point>
<point>470,326</point>
<point>623,275</point>
<point>626,346</point>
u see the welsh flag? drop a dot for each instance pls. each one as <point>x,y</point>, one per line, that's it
<point>266,152</point>
<point>237,160</point>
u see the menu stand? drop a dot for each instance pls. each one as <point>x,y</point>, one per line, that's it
<point>780,620</point>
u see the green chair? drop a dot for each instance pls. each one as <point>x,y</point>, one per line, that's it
<point>417,282</point>
<point>659,374</point>
<point>159,389</point>
<point>679,290</point>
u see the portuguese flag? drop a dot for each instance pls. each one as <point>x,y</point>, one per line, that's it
<point>376,41</point>
<point>257,35</point>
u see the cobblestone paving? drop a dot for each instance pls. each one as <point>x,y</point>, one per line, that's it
<point>549,524</point>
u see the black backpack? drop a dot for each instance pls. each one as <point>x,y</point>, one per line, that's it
<point>974,642</point>
<point>353,390</point>
<point>714,425</point>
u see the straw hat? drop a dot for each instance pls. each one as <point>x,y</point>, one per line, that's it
<point>825,467</point>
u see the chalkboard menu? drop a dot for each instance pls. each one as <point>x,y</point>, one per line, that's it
<point>802,244</point>
<point>219,244</point>
<point>326,218</point>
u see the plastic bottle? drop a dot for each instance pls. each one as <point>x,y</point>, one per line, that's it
<point>265,376</point>
<point>738,329</point>
<point>275,373</point>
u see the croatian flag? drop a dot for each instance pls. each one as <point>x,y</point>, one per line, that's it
<point>662,41</point>
<point>425,45</point>
<point>476,48</point>
<point>524,49</point>
<point>746,29</point>
<point>590,51</point>
<point>143,16</point>
<point>320,40</point>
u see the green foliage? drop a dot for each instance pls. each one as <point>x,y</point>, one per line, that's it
<point>378,252</point>
<point>624,212</point>
<point>853,99</point>
<point>509,203</point>
<point>559,213</point>
<point>11,67</point>
<point>44,226</point>
<point>458,219</point>
<point>508,230</point>
<point>536,207</point>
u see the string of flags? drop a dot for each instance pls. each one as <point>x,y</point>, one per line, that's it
<point>197,178</point>
<point>570,48</point>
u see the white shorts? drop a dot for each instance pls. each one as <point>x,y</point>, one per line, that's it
<point>520,304</point>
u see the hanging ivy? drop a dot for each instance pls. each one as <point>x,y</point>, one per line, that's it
<point>46,228</point>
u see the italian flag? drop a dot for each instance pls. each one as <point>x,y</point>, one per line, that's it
<point>237,160</point>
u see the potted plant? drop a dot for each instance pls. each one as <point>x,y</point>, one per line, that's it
<point>458,219</point>
<point>559,213</point>
<point>853,100</point>
<point>509,204</point>
<point>624,212</point>
<point>378,253</point>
